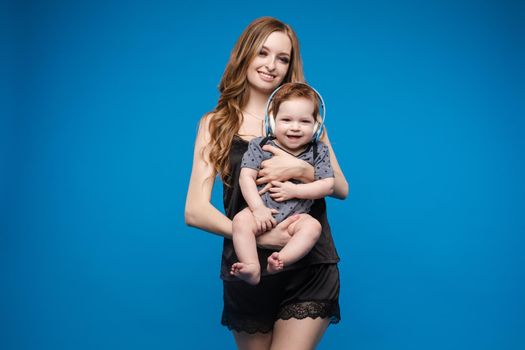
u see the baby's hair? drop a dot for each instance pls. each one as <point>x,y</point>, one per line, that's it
<point>294,90</point>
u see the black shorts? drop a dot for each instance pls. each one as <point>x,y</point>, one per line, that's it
<point>311,291</point>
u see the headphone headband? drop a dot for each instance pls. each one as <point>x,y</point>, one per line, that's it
<point>322,111</point>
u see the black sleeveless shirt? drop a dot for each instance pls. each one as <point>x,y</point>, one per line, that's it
<point>323,252</point>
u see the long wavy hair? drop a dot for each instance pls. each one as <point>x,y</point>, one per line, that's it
<point>225,120</point>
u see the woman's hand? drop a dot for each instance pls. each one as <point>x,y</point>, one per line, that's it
<point>279,235</point>
<point>283,166</point>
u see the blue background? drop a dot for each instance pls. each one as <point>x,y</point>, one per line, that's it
<point>425,112</point>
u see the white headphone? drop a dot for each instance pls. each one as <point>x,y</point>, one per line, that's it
<point>269,122</point>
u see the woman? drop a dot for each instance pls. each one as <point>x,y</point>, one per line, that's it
<point>292,309</point>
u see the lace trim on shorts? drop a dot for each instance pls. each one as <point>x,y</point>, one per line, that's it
<point>311,309</point>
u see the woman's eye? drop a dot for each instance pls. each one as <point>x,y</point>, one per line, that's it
<point>262,53</point>
<point>284,60</point>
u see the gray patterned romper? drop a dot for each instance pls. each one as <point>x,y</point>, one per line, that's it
<point>316,153</point>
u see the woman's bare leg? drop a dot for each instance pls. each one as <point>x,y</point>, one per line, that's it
<point>248,268</point>
<point>257,341</point>
<point>295,334</point>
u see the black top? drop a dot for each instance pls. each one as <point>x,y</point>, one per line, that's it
<point>323,252</point>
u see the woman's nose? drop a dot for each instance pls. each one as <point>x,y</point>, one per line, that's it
<point>270,63</point>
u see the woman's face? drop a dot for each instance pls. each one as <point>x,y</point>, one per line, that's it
<point>270,65</point>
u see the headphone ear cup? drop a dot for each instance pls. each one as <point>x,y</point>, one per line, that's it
<point>271,121</point>
<point>316,128</point>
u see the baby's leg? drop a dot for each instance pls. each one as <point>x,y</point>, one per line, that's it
<point>244,229</point>
<point>305,233</point>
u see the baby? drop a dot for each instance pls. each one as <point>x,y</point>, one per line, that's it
<point>295,109</point>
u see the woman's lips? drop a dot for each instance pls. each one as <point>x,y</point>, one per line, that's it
<point>266,76</point>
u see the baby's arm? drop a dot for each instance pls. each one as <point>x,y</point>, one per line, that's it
<point>262,215</point>
<point>282,191</point>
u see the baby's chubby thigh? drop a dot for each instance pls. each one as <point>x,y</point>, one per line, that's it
<point>306,225</point>
<point>244,222</point>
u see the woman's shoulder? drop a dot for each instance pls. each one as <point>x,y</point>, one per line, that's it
<point>206,119</point>
<point>203,127</point>
<point>205,122</point>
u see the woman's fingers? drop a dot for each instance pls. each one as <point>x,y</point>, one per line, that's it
<point>264,176</point>
<point>262,180</point>
<point>273,186</point>
<point>266,188</point>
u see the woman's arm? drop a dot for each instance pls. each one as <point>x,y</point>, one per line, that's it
<point>282,166</point>
<point>341,185</point>
<point>199,211</point>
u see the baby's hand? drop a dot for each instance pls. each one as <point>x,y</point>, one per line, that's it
<point>282,191</point>
<point>264,219</point>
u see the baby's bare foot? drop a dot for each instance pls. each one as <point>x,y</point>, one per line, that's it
<point>248,272</point>
<point>274,263</point>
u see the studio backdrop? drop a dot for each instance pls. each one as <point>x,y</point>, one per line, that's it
<point>424,105</point>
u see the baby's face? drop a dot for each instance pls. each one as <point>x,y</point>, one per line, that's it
<point>294,123</point>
